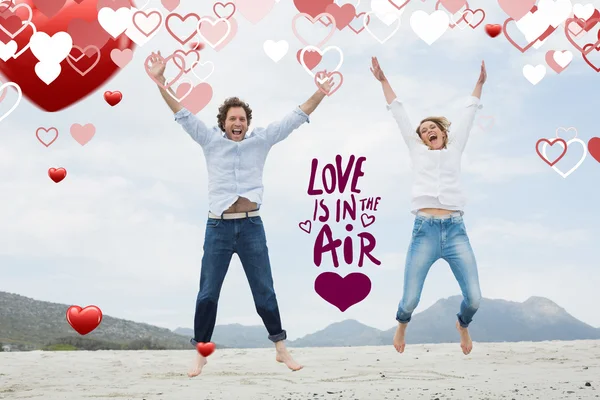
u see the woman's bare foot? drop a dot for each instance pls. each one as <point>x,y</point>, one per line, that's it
<point>283,356</point>
<point>399,342</point>
<point>197,368</point>
<point>465,339</point>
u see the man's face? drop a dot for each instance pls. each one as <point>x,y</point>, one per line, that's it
<point>236,124</point>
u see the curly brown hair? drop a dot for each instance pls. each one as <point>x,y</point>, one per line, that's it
<point>232,102</point>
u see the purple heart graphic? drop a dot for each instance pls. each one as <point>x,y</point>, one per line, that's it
<point>343,292</point>
<point>305,226</point>
<point>367,219</point>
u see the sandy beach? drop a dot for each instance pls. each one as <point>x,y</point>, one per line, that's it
<point>546,370</point>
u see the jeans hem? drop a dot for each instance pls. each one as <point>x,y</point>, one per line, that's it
<point>405,321</point>
<point>279,337</point>
<point>461,322</point>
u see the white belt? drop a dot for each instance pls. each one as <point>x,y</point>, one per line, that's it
<point>240,215</point>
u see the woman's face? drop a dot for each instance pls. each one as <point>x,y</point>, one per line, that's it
<point>432,135</point>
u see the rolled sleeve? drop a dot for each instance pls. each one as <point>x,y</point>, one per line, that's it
<point>302,114</point>
<point>474,101</point>
<point>280,130</point>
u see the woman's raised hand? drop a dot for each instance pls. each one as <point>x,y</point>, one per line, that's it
<point>376,70</point>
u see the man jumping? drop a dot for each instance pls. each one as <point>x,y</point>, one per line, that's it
<point>235,161</point>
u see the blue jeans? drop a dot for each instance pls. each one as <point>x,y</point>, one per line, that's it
<point>435,237</point>
<point>246,237</point>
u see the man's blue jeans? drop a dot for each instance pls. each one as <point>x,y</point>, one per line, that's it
<point>246,237</point>
<point>436,237</point>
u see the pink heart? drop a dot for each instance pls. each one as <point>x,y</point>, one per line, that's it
<point>343,15</point>
<point>516,9</point>
<point>185,54</point>
<point>254,10</point>
<point>453,6</point>
<point>47,130</point>
<point>198,98</point>
<point>121,57</point>
<point>329,75</point>
<point>214,30</point>
<point>83,134</point>
<point>313,21</point>
<point>170,5</point>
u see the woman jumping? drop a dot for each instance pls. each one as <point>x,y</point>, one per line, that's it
<point>437,202</point>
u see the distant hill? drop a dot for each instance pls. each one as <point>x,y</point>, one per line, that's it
<point>29,324</point>
<point>536,319</point>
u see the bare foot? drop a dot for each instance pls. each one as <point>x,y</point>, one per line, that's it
<point>399,342</point>
<point>197,369</point>
<point>283,356</point>
<point>465,339</point>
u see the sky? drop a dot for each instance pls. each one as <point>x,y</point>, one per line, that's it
<point>125,229</point>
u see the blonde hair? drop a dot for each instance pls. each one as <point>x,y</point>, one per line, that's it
<point>441,122</point>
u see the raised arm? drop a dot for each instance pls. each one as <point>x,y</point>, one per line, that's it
<point>407,130</point>
<point>190,123</point>
<point>313,102</point>
<point>278,131</point>
<point>460,134</point>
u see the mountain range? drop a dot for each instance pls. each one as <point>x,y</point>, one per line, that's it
<point>28,324</point>
<point>536,319</point>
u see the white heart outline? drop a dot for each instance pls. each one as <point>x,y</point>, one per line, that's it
<point>366,26</point>
<point>203,64</point>
<point>26,47</point>
<point>19,97</point>
<point>213,24</point>
<point>22,28</point>
<point>325,50</point>
<point>173,95</point>
<point>583,157</point>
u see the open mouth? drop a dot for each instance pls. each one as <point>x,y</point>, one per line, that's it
<point>237,132</point>
<point>433,138</point>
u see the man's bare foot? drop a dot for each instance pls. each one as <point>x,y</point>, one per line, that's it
<point>197,368</point>
<point>399,342</point>
<point>283,356</point>
<point>465,339</point>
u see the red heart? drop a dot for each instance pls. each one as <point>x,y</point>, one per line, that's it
<point>113,98</point>
<point>205,349</point>
<point>493,29</point>
<point>84,320</point>
<point>587,49</point>
<point>312,58</point>
<point>70,87</point>
<point>312,7</point>
<point>594,148</point>
<point>342,15</point>
<point>57,174</point>
<point>551,143</point>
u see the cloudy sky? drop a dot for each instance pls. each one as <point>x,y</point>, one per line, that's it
<point>125,229</point>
